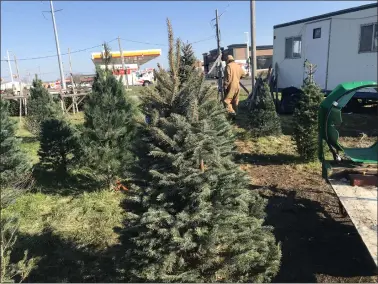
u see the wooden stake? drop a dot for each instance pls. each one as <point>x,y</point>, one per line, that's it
<point>20,108</point>
<point>202,166</point>
<point>26,105</point>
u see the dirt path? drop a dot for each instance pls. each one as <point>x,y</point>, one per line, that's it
<point>318,244</point>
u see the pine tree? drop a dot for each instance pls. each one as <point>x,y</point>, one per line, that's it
<point>109,127</point>
<point>187,61</point>
<point>13,162</point>
<point>41,106</point>
<point>59,145</point>
<point>190,216</point>
<point>13,169</point>
<point>263,118</point>
<point>305,117</point>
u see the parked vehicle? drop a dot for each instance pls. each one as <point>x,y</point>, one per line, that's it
<point>144,78</point>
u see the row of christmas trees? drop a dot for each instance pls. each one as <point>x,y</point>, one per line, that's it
<point>263,119</point>
<point>190,215</point>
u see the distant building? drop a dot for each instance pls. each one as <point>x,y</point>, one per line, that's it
<point>264,56</point>
<point>132,59</point>
<point>15,86</point>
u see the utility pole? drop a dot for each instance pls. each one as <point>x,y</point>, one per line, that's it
<point>62,79</point>
<point>123,65</point>
<point>69,59</point>
<point>219,67</point>
<point>253,43</point>
<point>18,76</point>
<point>74,105</point>
<point>29,82</point>
<point>10,69</point>
<point>247,54</point>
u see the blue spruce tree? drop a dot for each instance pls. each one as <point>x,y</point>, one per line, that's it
<point>190,216</point>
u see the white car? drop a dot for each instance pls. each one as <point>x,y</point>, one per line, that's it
<point>86,85</point>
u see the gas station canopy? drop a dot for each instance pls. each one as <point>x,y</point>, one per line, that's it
<point>139,57</point>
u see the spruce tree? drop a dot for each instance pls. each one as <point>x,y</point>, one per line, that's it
<point>41,106</point>
<point>59,145</point>
<point>187,61</point>
<point>12,269</point>
<point>190,216</point>
<point>109,127</point>
<point>14,167</point>
<point>305,117</point>
<point>13,162</point>
<point>263,118</point>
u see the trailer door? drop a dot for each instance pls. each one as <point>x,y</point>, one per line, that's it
<point>315,49</point>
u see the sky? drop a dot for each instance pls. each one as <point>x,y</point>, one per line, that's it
<point>27,31</point>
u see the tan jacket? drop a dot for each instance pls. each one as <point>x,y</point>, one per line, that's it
<point>232,76</point>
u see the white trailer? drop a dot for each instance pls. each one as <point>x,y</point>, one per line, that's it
<point>343,45</point>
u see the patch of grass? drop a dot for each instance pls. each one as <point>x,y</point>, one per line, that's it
<point>29,143</point>
<point>31,147</point>
<point>76,119</point>
<point>21,131</point>
<point>272,150</point>
<point>86,220</point>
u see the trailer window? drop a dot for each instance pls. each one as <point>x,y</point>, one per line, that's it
<point>317,33</point>
<point>293,47</point>
<point>369,38</point>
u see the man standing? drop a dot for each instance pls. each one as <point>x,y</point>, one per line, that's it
<point>232,77</point>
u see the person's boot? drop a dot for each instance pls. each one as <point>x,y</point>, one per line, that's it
<point>232,116</point>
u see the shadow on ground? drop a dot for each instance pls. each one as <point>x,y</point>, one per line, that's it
<point>266,159</point>
<point>62,261</point>
<point>313,242</point>
<point>71,184</point>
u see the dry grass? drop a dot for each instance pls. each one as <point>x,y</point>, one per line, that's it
<point>87,219</point>
<point>70,226</point>
<point>318,244</point>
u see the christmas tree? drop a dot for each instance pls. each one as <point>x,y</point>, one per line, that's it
<point>59,145</point>
<point>190,216</point>
<point>41,106</point>
<point>13,162</point>
<point>263,118</point>
<point>187,61</point>
<point>13,169</point>
<point>109,127</point>
<point>305,117</point>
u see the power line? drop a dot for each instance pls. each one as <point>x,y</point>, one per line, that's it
<point>100,45</point>
<point>161,44</point>
<point>49,56</point>
<point>225,10</point>
<point>205,39</point>
<point>143,42</point>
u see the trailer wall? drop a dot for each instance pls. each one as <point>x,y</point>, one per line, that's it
<point>345,62</point>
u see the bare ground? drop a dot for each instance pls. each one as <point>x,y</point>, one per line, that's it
<point>318,244</point>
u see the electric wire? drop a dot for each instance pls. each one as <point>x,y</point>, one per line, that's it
<point>54,55</point>
<point>100,45</point>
